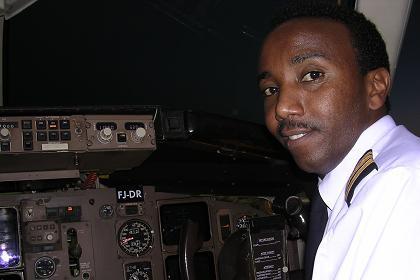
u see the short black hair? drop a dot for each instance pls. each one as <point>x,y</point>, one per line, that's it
<point>368,43</point>
<point>366,39</point>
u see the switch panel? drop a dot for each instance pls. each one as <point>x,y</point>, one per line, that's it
<point>74,142</point>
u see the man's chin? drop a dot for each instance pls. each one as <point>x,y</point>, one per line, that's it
<point>306,164</point>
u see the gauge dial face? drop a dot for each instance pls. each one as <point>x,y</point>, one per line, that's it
<point>44,267</point>
<point>139,275</point>
<point>106,211</point>
<point>243,222</point>
<point>138,271</point>
<point>135,237</point>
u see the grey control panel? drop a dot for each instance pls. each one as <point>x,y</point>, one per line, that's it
<point>75,142</point>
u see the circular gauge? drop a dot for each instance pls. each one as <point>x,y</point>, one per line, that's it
<point>243,222</point>
<point>44,267</point>
<point>135,237</point>
<point>106,211</point>
<point>138,271</point>
<point>139,275</point>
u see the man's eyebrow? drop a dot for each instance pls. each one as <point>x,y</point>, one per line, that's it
<point>261,76</point>
<point>302,57</point>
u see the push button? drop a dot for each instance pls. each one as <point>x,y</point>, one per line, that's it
<point>41,136</point>
<point>65,135</point>
<point>28,145</point>
<point>5,146</point>
<point>64,124</point>
<point>53,136</point>
<point>26,124</point>
<point>41,125</point>
<point>121,137</point>
<point>27,135</point>
<point>53,124</point>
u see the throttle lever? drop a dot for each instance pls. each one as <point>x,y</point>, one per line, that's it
<point>190,242</point>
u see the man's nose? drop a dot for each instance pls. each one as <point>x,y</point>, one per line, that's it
<point>288,104</point>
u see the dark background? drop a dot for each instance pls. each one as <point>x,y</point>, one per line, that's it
<point>405,94</point>
<point>183,54</point>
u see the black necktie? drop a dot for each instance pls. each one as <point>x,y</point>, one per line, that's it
<point>317,222</point>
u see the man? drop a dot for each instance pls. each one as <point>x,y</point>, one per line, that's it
<point>324,75</point>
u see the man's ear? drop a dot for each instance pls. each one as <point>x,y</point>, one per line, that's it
<point>378,83</point>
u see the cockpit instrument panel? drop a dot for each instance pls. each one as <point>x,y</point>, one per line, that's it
<point>87,234</point>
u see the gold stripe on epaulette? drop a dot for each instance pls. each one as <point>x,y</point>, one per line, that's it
<point>365,161</point>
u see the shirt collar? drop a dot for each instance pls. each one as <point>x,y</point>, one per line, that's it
<point>335,181</point>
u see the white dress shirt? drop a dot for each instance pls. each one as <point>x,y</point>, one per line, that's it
<point>378,236</point>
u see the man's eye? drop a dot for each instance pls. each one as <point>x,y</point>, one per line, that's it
<point>312,75</point>
<point>270,91</point>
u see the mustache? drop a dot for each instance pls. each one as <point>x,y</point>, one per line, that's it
<point>290,124</point>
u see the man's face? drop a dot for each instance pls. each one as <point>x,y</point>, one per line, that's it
<point>316,101</point>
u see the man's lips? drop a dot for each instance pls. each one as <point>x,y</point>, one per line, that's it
<point>296,136</point>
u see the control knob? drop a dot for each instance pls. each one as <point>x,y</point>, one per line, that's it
<point>105,135</point>
<point>4,134</point>
<point>138,134</point>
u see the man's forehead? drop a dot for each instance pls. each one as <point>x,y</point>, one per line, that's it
<point>300,58</point>
<point>308,40</point>
<point>309,37</point>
